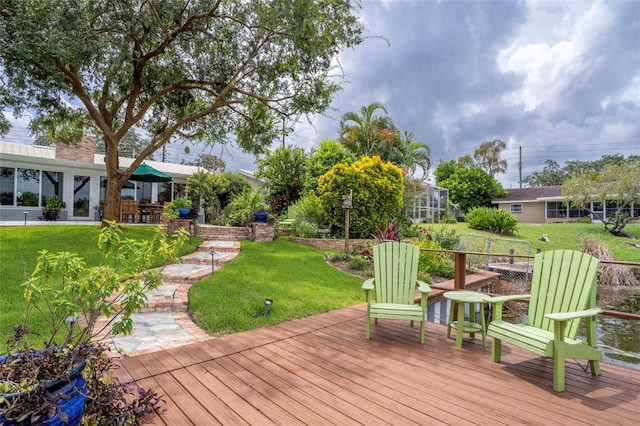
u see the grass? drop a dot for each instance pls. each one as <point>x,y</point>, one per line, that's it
<point>19,247</point>
<point>562,236</point>
<point>295,277</point>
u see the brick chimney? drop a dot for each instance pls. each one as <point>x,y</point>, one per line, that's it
<point>82,151</point>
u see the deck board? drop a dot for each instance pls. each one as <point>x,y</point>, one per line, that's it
<point>320,370</point>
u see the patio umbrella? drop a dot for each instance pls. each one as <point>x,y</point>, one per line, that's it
<point>145,173</point>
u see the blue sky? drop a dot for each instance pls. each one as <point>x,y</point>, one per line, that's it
<point>561,80</point>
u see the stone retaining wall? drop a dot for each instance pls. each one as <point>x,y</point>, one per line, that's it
<point>327,244</point>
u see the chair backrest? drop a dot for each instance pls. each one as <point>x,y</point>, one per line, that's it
<point>562,281</point>
<point>128,206</point>
<point>395,267</point>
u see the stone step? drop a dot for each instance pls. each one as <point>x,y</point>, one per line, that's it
<point>184,273</point>
<point>204,258</point>
<point>223,233</point>
<point>220,246</point>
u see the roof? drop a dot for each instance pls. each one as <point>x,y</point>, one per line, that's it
<point>49,153</point>
<point>536,193</point>
<point>28,150</point>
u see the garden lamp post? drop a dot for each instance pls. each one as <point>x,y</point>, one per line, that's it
<point>347,204</point>
<point>267,304</point>
<point>213,261</point>
<point>25,218</point>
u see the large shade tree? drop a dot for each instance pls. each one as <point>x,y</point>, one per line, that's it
<point>618,185</point>
<point>197,69</point>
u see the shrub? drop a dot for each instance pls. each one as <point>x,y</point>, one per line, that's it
<point>492,220</point>
<point>304,229</point>
<point>239,212</point>
<point>429,261</point>
<point>446,239</point>
<point>377,187</point>
<point>308,210</point>
<point>359,263</point>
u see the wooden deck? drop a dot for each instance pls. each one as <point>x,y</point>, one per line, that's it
<point>320,370</point>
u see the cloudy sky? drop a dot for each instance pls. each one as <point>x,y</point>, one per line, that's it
<point>561,80</point>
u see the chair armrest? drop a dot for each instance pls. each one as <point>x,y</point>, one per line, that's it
<point>368,284</point>
<point>502,299</point>
<point>423,287</point>
<point>566,316</point>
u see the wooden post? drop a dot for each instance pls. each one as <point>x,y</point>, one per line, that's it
<point>346,230</point>
<point>459,271</point>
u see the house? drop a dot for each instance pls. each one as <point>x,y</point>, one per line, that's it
<point>544,204</point>
<point>29,174</point>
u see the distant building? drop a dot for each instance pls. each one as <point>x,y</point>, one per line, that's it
<point>544,204</point>
<point>430,203</point>
<point>29,174</point>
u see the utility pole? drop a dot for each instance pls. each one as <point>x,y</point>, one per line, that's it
<point>520,167</point>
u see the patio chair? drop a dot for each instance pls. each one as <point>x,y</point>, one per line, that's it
<point>563,290</point>
<point>391,293</point>
<point>128,211</point>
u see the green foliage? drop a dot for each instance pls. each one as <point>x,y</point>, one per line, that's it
<point>359,263</point>
<point>54,202</point>
<point>369,134</point>
<point>446,238</point>
<point>377,195</point>
<point>304,229</point>
<point>250,64</point>
<point>320,161</point>
<point>618,183</point>
<point>429,261</point>
<point>492,220</point>
<point>283,172</point>
<point>200,188</point>
<point>469,187</point>
<point>240,211</point>
<point>308,217</point>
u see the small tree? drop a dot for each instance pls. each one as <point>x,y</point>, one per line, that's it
<point>377,187</point>
<point>283,171</point>
<point>619,183</point>
<point>469,187</point>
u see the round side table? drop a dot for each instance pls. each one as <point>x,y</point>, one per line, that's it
<point>460,299</point>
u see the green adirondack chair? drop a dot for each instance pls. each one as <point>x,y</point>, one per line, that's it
<point>391,293</point>
<point>563,291</point>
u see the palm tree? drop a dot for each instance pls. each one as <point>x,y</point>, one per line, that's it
<point>368,134</point>
<point>413,154</point>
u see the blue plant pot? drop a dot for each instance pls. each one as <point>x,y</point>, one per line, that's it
<point>183,213</point>
<point>260,217</point>
<point>73,390</point>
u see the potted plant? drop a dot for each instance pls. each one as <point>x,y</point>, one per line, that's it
<point>182,205</point>
<point>52,207</point>
<point>242,210</point>
<point>66,378</point>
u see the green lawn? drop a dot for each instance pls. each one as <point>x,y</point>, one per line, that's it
<point>19,247</point>
<point>562,236</point>
<point>295,277</point>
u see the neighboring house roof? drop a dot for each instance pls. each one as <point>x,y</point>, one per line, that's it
<point>537,193</point>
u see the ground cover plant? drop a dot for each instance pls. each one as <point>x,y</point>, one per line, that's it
<point>19,247</point>
<point>295,277</point>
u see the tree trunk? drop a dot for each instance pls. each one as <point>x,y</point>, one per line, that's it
<point>115,181</point>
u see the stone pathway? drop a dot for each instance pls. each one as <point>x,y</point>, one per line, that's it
<point>164,323</point>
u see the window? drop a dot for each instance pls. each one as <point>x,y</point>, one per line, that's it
<point>556,209</point>
<point>164,192</point>
<point>516,208</point>
<point>7,182</point>
<point>51,185</point>
<point>28,187</point>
